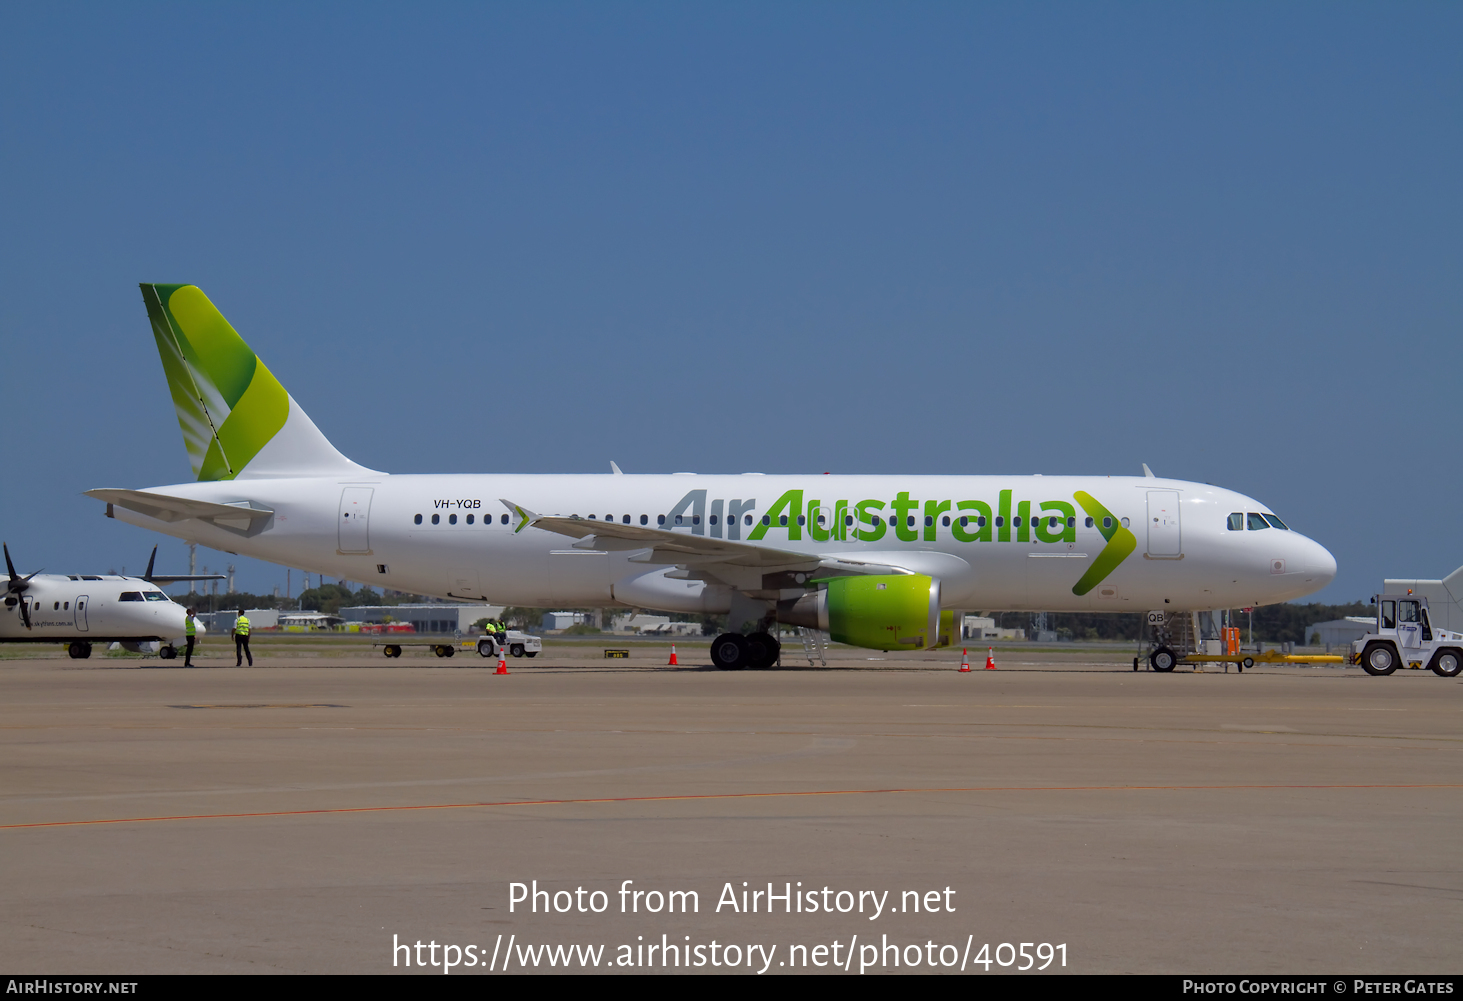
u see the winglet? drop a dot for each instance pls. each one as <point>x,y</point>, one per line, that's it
<point>616,469</point>
<point>1148,472</point>
<point>524,515</point>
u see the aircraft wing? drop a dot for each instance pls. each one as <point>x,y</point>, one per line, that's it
<point>165,507</point>
<point>682,548</point>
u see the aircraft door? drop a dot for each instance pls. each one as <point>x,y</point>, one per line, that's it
<point>1165,539</point>
<point>81,602</point>
<point>354,521</point>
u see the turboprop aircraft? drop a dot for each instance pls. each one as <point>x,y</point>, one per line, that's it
<point>93,608</point>
<point>883,562</point>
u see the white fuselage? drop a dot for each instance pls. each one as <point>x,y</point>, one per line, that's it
<point>91,609</point>
<point>449,535</point>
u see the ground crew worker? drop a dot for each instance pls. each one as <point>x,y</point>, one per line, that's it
<point>190,629</point>
<point>241,641</point>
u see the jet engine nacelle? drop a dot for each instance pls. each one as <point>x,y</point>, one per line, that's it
<point>877,611</point>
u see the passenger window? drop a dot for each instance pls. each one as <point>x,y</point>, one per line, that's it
<point>782,519</point>
<point>1000,522</point>
<point>65,606</point>
<point>747,520</point>
<point>1071,522</point>
<point>1275,522</point>
<point>1237,522</point>
<point>929,520</point>
<point>55,606</point>
<point>847,520</point>
<point>1107,523</point>
<point>452,519</point>
<point>802,520</point>
<point>877,520</point>
<point>418,519</point>
<point>625,520</point>
<point>766,520</point>
<point>469,519</point>
<point>945,521</point>
<point>505,519</point>
<point>713,519</point>
<point>645,519</point>
<point>660,519</point>
<point>980,520</point>
<point>1016,521</point>
<point>593,518</point>
<point>909,521</point>
<point>436,519</point>
<point>678,519</point>
<point>1089,523</point>
<point>1389,615</point>
<point>1255,521</point>
<point>609,517</point>
<point>695,519</point>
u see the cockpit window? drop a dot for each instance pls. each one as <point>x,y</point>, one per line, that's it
<point>1237,522</point>
<point>155,596</point>
<point>1276,522</point>
<point>1256,521</point>
<point>131,596</point>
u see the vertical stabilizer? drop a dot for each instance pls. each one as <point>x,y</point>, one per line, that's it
<point>237,419</point>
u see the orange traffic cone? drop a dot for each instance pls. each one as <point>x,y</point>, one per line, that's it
<point>965,661</point>
<point>674,662</point>
<point>990,660</point>
<point>502,664</point>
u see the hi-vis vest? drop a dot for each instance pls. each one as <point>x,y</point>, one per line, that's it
<point>241,625</point>
<point>191,628</point>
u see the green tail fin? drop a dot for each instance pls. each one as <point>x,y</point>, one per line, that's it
<point>234,413</point>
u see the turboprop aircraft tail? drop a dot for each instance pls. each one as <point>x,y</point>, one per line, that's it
<point>237,420</point>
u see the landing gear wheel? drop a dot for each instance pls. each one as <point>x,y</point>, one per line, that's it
<point>1447,663</point>
<point>1162,660</point>
<point>762,650</point>
<point>167,651</point>
<point>516,649</point>
<point>79,651</point>
<point>729,652</point>
<point>1379,659</point>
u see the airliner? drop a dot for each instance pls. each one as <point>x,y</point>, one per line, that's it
<point>882,562</point>
<point>82,609</point>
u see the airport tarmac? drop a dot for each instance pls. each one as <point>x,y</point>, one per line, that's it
<point>305,814</point>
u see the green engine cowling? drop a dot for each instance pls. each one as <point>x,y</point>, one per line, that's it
<point>877,611</point>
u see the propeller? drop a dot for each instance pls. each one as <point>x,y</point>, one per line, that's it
<point>17,585</point>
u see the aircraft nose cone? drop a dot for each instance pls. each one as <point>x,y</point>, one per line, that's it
<point>1319,562</point>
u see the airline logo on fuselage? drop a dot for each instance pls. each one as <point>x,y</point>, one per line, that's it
<point>911,520</point>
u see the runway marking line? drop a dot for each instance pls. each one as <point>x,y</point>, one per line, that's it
<point>721,796</point>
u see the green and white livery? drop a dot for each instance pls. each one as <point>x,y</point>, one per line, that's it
<point>886,562</point>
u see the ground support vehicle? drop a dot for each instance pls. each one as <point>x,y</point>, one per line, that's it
<point>394,648</point>
<point>1405,637</point>
<point>519,645</point>
<point>1177,638</point>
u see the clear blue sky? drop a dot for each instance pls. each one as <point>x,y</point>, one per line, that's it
<point>1221,239</point>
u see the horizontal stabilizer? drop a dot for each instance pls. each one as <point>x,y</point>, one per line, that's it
<point>165,507</point>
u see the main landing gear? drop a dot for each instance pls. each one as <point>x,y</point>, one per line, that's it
<point>79,650</point>
<point>733,651</point>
